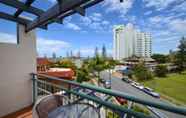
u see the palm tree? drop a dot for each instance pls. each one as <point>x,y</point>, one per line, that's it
<point>82,75</point>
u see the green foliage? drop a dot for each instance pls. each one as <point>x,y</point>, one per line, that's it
<point>140,109</point>
<point>110,114</point>
<point>171,56</point>
<point>97,64</point>
<point>161,70</point>
<point>141,72</point>
<point>82,75</point>
<point>96,53</point>
<point>136,108</point>
<point>181,55</point>
<point>172,87</point>
<point>65,63</point>
<point>160,58</point>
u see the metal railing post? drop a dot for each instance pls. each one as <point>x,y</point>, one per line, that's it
<point>69,94</point>
<point>83,95</point>
<point>35,92</point>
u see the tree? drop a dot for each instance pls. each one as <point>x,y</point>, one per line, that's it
<point>65,63</point>
<point>172,55</point>
<point>160,58</point>
<point>161,70</point>
<point>79,54</point>
<point>141,72</point>
<point>104,52</point>
<point>96,65</point>
<point>82,75</point>
<point>71,54</point>
<point>67,54</point>
<point>96,53</point>
<point>181,55</point>
<point>54,55</point>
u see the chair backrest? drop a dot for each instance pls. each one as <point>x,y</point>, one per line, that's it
<point>48,104</point>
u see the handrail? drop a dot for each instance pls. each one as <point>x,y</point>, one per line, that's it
<point>166,107</point>
<point>102,102</point>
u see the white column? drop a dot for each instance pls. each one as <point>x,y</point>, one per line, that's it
<point>17,61</point>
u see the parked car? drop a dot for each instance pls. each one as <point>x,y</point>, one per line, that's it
<point>140,87</point>
<point>137,85</point>
<point>125,79</point>
<point>151,92</point>
<point>102,80</point>
<point>107,84</point>
<point>149,89</point>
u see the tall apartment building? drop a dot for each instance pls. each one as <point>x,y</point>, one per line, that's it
<point>128,42</point>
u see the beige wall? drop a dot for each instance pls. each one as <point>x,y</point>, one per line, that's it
<point>16,63</point>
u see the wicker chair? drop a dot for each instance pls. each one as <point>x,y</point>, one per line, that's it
<point>47,104</point>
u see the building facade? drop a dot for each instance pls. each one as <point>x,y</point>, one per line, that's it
<point>129,42</point>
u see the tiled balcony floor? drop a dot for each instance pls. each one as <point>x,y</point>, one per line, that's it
<point>24,113</point>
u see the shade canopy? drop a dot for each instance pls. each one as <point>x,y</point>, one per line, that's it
<point>56,13</point>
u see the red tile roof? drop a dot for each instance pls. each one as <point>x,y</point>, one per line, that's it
<point>43,61</point>
<point>67,74</point>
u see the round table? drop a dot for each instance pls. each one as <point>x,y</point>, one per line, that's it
<point>78,110</point>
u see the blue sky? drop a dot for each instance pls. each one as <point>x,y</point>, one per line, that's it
<point>164,19</point>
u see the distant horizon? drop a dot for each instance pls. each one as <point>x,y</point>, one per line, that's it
<point>165,20</point>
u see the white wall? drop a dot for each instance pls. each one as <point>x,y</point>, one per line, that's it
<point>16,63</point>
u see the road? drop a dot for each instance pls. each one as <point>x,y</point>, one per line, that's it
<point>119,85</point>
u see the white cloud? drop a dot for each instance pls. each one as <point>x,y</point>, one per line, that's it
<point>148,13</point>
<point>166,31</point>
<point>96,17</point>
<point>8,38</point>
<point>155,19</point>
<point>48,46</point>
<point>178,25</point>
<point>72,26</point>
<point>105,22</point>
<point>91,51</point>
<point>116,6</point>
<point>158,4</point>
<point>44,45</point>
<point>181,7</point>
<point>86,20</point>
<point>172,23</point>
<point>96,22</point>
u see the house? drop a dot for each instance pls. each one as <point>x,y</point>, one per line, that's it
<point>43,64</point>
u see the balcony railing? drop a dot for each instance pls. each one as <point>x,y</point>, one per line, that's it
<point>102,98</point>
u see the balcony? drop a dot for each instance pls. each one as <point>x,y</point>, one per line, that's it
<point>102,100</point>
<point>19,90</point>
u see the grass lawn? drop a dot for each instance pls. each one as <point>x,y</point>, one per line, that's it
<point>172,87</point>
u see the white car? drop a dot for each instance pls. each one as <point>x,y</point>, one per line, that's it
<point>108,84</point>
<point>137,85</point>
<point>151,92</point>
<point>140,87</point>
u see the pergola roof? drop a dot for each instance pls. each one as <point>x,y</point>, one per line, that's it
<point>56,13</point>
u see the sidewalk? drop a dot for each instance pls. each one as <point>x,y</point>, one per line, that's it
<point>117,74</point>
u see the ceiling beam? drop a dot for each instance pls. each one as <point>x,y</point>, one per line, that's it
<point>73,11</point>
<point>19,20</point>
<point>27,4</point>
<point>56,11</point>
<point>20,5</point>
<point>80,10</point>
<point>85,6</point>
